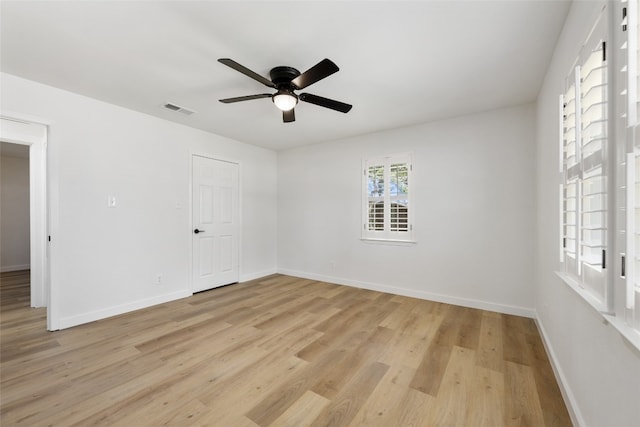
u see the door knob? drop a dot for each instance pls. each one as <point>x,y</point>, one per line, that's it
<point>196,231</point>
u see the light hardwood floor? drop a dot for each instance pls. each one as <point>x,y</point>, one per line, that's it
<point>279,351</point>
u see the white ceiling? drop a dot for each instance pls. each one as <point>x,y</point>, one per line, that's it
<point>401,63</point>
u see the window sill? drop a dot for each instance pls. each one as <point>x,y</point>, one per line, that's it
<point>625,330</point>
<point>631,335</point>
<point>573,284</point>
<point>388,241</point>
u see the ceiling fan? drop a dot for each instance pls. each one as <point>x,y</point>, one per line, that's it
<point>286,80</point>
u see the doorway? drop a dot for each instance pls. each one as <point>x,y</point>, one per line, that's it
<point>215,223</point>
<point>33,136</point>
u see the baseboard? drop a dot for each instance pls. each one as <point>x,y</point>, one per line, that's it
<point>565,390</point>
<point>257,275</point>
<point>18,267</point>
<point>79,319</point>
<point>448,299</point>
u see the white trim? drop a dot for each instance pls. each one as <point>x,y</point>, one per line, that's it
<point>25,118</point>
<point>92,316</point>
<point>569,399</point>
<point>392,242</point>
<point>38,222</point>
<point>448,299</point>
<point>17,267</point>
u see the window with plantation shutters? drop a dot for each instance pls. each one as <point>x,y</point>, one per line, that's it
<point>584,138</point>
<point>386,206</point>
<point>600,186</point>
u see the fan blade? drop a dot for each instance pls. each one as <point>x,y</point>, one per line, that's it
<point>247,72</point>
<point>325,102</point>
<point>289,116</point>
<point>245,98</point>
<point>316,73</point>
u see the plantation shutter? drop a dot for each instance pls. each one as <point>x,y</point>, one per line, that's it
<point>584,185</point>
<point>399,195</point>
<point>571,178</point>
<point>592,129</point>
<point>375,196</point>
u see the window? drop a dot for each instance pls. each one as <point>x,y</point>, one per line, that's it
<point>584,175</point>
<point>601,171</point>
<point>386,206</point>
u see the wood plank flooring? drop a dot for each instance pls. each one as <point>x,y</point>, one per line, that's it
<point>278,351</point>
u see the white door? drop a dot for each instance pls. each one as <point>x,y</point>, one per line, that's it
<point>215,223</point>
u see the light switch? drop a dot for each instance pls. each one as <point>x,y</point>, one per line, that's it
<point>111,201</point>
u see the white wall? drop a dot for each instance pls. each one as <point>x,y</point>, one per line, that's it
<point>14,215</point>
<point>599,370</point>
<point>104,260</point>
<point>473,191</point>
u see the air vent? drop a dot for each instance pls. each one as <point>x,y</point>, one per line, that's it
<point>179,109</point>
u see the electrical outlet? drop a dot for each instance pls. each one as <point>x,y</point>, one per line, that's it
<point>111,202</point>
<point>158,280</point>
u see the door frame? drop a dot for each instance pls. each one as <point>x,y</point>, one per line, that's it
<point>24,130</point>
<point>192,154</point>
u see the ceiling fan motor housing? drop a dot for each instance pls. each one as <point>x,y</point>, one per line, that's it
<point>282,76</point>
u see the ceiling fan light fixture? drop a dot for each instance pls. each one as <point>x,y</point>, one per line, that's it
<point>285,100</point>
